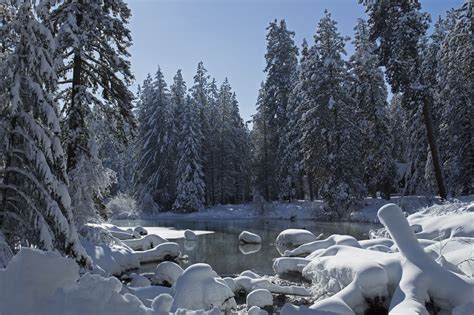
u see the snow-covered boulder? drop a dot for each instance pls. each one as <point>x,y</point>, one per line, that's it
<point>143,243</point>
<point>250,274</point>
<point>113,259</point>
<point>200,288</point>
<point>140,231</point>
<point>165,251</point>
<point>335,239</point>
<point>162,304</point>
<point>139,281</point>
<point>190,235</point>
<point>166,273</point>
<point>249,238</point>
<point>255,310</point>
<point>261,298</point>
<point>289,265</point>
<point>295,237</point>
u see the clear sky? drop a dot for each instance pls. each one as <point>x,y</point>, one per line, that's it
<point>229,36</point>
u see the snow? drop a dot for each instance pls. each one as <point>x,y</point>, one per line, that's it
<point>289,265</point>
<point>139,281</point>
<point>295,237</point>
<point>144,243</point>
<point>255,310</point>
<point>260,297</point>
<point>200,288</point>
<point>166,273</point>
<point>310,247</point>
<point>249,238</point>
<point>165,251</point>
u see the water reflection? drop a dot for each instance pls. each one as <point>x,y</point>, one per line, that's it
<point>223,251</point>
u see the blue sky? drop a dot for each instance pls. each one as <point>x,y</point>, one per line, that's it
<point>229,36</point>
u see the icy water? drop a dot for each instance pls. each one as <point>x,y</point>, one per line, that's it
<point>227,257</point>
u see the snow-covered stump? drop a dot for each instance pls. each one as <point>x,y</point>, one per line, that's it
<point>424,282</point>
<point>247,237</point>
<point>200,288</point>
<point>166,273</point>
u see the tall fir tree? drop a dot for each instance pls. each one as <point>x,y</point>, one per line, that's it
<point>93,39</point>
<point>331,144</point>
<point>400,27</point>
<point>35,202</point>
<point>281,57</point>
<point>154,184</point>
<point>456,95</point>
<point>370,96</point>
<point>190,178</point>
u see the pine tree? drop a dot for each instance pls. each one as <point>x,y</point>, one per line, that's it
<point>370,96</point>
<point>190,178</point>
<point>35,201</point>
<point>211,150</point>
<point>281,67</point>
<point>92,52</point>
<point>330,141</point>
<point>456,95</point>
<point>154,183</point>
<point>400,27</point>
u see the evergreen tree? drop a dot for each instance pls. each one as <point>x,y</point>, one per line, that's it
<point>400,27</point>
<point>330,141</point>
<point>36,205</point>
<point>154,184</point>
<point>370,96</point>
<point>92,52</point>
<point>190,178</point>
<point>281,67</point>
<point>456,95</point>
<point>211,150</point>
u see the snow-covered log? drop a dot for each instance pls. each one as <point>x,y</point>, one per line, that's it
<point>295,237</point>
<point>335,239</point>
<point>165,251</point>
<point>147,242</point>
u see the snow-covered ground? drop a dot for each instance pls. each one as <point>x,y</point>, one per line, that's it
<point>422,264</point>
<point>364,211</point>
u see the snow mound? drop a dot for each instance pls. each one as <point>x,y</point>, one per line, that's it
<point>249,238</point>
<point>255,310</point>
<point>164,251</point>
<point>289,265</point>
<point>190,235</point>
<point>139,281</point>
<point>334,239</point>
<point>260,297</point>
<point>148,242</point>
<point>295,237</point>
<point>200,288</point>
<point>113,259</point>
<point>166,273</point>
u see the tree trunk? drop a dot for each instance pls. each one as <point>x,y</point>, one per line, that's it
<point>433,147</point>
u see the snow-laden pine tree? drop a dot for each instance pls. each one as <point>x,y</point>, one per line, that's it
<point>154,181</point>
<point>190,178</point>
<point>370,96</point>
<point>93,40</point>
<point>211,150</point>
<point>456,94</point>
<point>331,141</point>
<point>281,57</point>
<point>399,27</point>
<point>35,202</point>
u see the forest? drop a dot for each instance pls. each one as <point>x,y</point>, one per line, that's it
<point>393,119</point>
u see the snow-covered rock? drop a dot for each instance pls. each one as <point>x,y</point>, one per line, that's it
<point>166,273</point>
<point>144,243</point>
<point>139,281</point>
<point>334,239</point>
<point>250,274</point>
<point>289,265</point>
<point>140,230</point>
<point>162,304</point>
<point>295,237</point>
<point>246,284</point>
<point>200,288</point>
<point>113,259</point>
<point>260,297</point>
<point>190,235</point>
<point>249,238</point>
<point>255,310</point>
<point>164,251</point>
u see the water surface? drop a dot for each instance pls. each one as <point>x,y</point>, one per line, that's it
<point>222,250</point>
